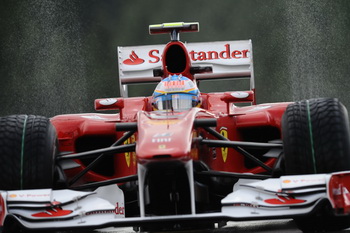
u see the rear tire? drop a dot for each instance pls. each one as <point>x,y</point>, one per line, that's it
<point>316,140</point>
<point>28,146</point>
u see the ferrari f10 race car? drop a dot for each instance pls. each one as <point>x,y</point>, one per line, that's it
<point>179,158</point>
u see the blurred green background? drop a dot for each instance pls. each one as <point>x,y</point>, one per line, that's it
<point>57,56</point>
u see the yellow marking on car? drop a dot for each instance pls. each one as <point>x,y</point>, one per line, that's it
<point>128,155</point>
<point>224,150</point>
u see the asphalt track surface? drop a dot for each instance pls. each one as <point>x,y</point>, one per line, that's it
<point>271,226</point>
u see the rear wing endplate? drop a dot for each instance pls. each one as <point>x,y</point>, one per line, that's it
<point>228,59</point>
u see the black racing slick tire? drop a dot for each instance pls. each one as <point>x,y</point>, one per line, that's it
<point>28,146</point>
<point>316,137</point>
<point>316,140</point>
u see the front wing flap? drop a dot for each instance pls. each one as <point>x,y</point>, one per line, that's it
<point>284,197</point>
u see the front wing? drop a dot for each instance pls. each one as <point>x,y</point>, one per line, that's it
<point>284,197</point>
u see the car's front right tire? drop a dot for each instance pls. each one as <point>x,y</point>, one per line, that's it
<point>28,147</point>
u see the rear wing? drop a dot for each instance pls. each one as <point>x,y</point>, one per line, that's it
<point>228,59</point>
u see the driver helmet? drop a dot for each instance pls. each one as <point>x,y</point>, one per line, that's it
<point>176,92</point>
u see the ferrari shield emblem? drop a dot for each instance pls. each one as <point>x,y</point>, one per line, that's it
<point>129,154</point>
<point>224,150</point>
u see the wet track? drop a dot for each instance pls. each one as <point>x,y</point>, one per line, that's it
<point>273,226</point>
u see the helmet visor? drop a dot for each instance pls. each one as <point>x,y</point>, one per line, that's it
<point>178,101</point>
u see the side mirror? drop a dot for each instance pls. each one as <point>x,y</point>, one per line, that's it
<point>238,97</point>
<point>109,104</point>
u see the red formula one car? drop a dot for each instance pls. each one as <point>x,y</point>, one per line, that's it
<point>179,158</point>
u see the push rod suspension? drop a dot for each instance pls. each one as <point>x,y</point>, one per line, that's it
<point>238,148</point>
<point>106,182</point>
<point>92,153</point>
<point>99,158</point>
<point>232,175</point>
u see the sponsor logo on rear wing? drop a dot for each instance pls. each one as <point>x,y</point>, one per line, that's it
<point>229,59</point>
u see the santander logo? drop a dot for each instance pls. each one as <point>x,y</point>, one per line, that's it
<point>133,59</point>
<point>226,53</point>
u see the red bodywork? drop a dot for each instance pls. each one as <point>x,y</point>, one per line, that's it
<point>236,123</point>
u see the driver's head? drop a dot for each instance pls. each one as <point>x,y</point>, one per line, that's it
<point>176,92</point>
